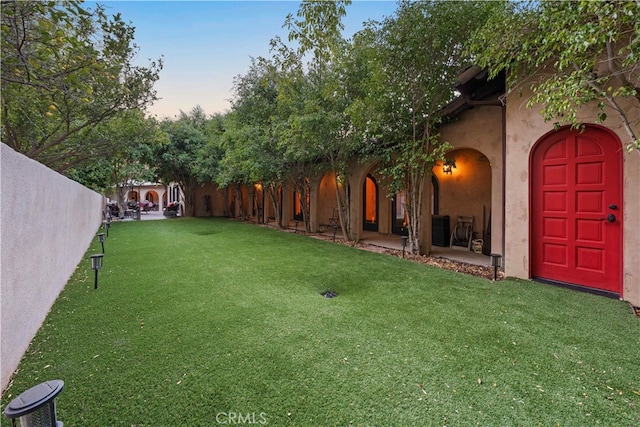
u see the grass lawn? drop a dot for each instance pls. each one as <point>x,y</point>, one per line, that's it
<point>201,322</point>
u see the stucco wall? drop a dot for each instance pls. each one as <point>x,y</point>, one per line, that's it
<point>524,128</point>
<point>467,191</point>
<point>48,222</point>
<point>216,201</point>
<point>479,129</point>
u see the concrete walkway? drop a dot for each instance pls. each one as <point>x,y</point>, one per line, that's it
<point>389,241</point>
<point>393,241</point>
<point>147,216</point>
<point>151,215</point>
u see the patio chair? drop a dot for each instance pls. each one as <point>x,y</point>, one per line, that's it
<point>462,233</point>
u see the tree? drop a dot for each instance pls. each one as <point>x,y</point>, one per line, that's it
<point>580,52</point>
<point>321,127</point>
<point>133,138</point>
<point>211,154</point>
<point>254,124</point>
<point>179,160</point>
<point>415,58</point>
<point>299,157</point>
<point>65,70</point>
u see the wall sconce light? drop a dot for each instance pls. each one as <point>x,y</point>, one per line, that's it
<point>101,239</point>
<point>448,166</point>
<point>495,262</point>
<point>96,264</point>
<point>36,407</point>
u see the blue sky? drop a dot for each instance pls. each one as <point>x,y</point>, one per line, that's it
<point>206,44</point>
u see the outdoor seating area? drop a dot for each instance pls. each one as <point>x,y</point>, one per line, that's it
<point>172,210</point>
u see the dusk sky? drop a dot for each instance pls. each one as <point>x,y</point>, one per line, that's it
<point>206,44</point>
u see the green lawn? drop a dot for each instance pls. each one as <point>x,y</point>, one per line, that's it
<point>202,322</point>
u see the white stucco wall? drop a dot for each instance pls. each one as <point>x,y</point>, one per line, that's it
<point>47,223</point>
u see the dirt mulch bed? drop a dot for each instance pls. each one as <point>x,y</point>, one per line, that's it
<point>485,272</point>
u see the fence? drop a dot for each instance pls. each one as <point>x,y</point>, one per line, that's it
<point>47,223</point>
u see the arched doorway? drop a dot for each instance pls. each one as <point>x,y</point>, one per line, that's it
<point>370,208</point>
<point>298,206</point>
<point>576,209</point>
<point>152,197</point>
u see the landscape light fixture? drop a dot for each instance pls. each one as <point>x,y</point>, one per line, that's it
<point>404,243</point>
<point>96,264</point>
<point>36,407</point>
<point>495,262</point>
<point>335,229</point>
<point>101,239</point>
<point>107,225</point>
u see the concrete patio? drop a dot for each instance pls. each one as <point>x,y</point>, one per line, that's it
<point>393,241</point>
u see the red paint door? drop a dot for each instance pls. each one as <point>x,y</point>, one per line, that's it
<point>576,209</point>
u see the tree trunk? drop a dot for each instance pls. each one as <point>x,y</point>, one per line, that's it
<point>302,187</point>
<point>188,190</point>
<point>120,191</point>
<point>272,190</point>
<point>343,200</point>
<point>414,210</point>
<point>239,201</point>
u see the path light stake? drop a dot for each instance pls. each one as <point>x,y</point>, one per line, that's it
<point>101,238</point>
<point>495,262</point>
<point>335,228</point>
<point>36,407</point>
<point>404,243</point>
<point>96,264</point>
<point>106,226</point>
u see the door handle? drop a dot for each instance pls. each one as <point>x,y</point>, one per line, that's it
<point>610,218</point>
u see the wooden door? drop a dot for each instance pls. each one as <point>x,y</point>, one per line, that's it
<point>576,209</point>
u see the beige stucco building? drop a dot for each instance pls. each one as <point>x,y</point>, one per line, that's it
<point>560,206</point>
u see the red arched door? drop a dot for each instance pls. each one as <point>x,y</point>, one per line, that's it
<point>576,209</point>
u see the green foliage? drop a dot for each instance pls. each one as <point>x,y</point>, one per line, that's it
<point>66,69</point>
<point>318,28</point>
<point>251,146</point>
<point>580,52</point>
<point>131,140</point>
<point>321,132</point>
<point>180,159</point>
<point>211,154</point>
<point>412,62</point>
